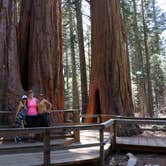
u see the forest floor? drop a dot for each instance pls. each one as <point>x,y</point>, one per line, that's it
<point>143,159</point>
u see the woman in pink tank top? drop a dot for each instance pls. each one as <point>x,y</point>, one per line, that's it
<point>32,106</point>
<point>32,112</point>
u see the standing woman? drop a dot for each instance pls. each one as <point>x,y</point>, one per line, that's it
<point>44,108</point>
<point>32,112</point>
<point>21,112</point>
<point>20,116</point>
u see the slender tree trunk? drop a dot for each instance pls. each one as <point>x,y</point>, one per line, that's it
<point>66,75</point>
<point>84,91</point>
<point>126,41</point>
<point>149,84</point>
<point>40,46</point>
<point>89,57</point>
<point>156,30</point>
<point>159,93</point>
<point>74,72</point>
<point>140,78</point>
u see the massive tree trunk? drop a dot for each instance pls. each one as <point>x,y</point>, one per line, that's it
<point>10,86</point>
<point>40,49</point>
<point>84,91</point>
<point>110,91</point>
<point>148,77</point>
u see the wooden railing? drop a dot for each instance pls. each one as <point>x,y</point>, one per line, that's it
<point>109,125</point>
<point>47,130</point>
<point>47,147</point>
<point>71,116</point>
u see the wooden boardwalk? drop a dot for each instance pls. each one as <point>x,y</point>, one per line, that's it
<point>94,146</point>
<point>79,155</point>
<point>59,157</point>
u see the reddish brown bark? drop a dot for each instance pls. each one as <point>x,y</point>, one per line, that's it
<point>10,86</point>
<point>40,46</point>
<point>110,88</point>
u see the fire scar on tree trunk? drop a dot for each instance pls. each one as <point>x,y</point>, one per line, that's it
<point>110,88</point>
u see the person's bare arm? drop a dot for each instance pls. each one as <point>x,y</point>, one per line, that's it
<point>49,105</point>
<point>18,109</point>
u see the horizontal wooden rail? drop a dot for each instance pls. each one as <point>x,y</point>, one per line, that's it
<point>108,123</point>
<point>68,110</point>
<point>117,117</point>
<point>141,121</point>
<point>152,129</point>
<point>6,112</point>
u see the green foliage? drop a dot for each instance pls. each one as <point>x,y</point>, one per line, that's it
<point>155,20</point>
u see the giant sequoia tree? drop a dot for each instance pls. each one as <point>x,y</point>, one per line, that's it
<point>110,91</point>
<point>38,63</point>
<point>40,52</point>
<point>39,37</point>
<point>10,85</point>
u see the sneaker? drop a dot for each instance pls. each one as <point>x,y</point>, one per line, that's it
<point>16,139</point>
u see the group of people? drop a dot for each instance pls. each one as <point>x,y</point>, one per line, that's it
<point>33,112</point>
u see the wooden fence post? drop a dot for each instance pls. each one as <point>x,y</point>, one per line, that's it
<point>99,119</point>
<point>47,159</point>
<point>102,154</point>
<point>114,136</point>
<point>76,120</point>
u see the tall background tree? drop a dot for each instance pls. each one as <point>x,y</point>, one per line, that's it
<point>84,90</point>
<point>135,31</point>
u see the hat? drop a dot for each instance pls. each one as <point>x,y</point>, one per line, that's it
<point>24,97</point>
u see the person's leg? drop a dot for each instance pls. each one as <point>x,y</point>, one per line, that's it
<point>28,120</point>
<point>47,119</point>
<point>17,139</point>
<point>39,120</point>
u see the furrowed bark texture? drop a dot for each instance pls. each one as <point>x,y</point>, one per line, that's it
<point>10,86</point>
<point>147,55</point>
<point>40,49</point>
<point>110,90</point>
